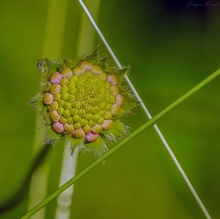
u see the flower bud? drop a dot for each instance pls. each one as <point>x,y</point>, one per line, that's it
<point>55,78</point>
<point>107,124</point>
<point>58,127</point>
<point>79,133</point>
<point>48,98</point>
<point>112,79</point>
<point>83,101</point>
<point>90,137</point>
<point>67,73</point>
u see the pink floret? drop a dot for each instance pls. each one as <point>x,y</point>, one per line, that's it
<point>119,99</point>
<point>58,127</point>
<point>55,78</point>
<point>91,136</point>
<point>112,79</point>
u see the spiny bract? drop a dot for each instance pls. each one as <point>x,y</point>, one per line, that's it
<point>84,101</point>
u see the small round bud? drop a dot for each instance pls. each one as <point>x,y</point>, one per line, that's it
<point>66,113</point>
<point>81,112</point>
<point>86,65</point>
<point>97,128</point>
<point>55,88</point>
<point>96,69</point>
<point>61,102</point>
<point>67,73</point>
<point>87,129</point>
<point>103,76</point>
<point>76,118</point>
<point>57,97</point>
<point>120,99</point>
<point>102,105</point>
<point>112,79</point>
<point>84,122</point>
<point>70,120</point>
<point>68,128</point>
<point>64,89</point>
<point>71,98</point>
<point>63,119</point>
<point>88,74</point>
<point>77,125</point>
<point>91,123</point>
<point>67,105</point>
<point>100,121</point>
<point>88,116</point>
<point>108,115</point>
<point>96,117</point>
<point>60,110</point>
<point>90,137</point>
<point>73,111</point>
<point>75,105</point>
<point>58,127</point>
<point>78,70</point>
<point>64,81</point>
<point>64,96</point>
<point>107,124</point>
<point>48,98</point>
<point>79,133</point>
<point>55,78</point>
<point>54,116</point>
<point>108,106</point>
<point>112,99</point>
<point>72,90</point>
<point>54,106</point>
<point>115,90</point>
<point>115,109</point>
<point>74,78</point>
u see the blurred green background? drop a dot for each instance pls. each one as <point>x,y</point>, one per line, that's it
<point>170,46</point>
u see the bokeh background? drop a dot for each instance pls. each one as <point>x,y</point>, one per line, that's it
<point>170,46</point>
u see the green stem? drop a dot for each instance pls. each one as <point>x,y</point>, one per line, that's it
<point>123,142</point>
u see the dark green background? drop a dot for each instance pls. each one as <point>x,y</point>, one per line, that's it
<point>170,47</point>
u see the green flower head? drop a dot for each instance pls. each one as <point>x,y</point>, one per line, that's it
<point>84,101</point>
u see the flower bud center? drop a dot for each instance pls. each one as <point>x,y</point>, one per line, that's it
<point>83,100</point>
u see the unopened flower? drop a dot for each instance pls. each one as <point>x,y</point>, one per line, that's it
<point>84,101</point>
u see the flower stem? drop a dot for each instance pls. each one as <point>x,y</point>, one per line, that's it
<point>123,142</point>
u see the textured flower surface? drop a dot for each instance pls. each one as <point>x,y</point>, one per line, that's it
<point>84,101</point>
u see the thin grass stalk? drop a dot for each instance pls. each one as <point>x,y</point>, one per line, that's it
<point>121,143</point>
<point>166,145</point>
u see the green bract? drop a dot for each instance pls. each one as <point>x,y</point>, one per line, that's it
<point>84,101</point>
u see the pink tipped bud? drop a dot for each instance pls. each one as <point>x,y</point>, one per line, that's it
<point>86,65</point>
<point>58,127</point>
<point>115,90</point>
<point>115,109</point>
<point>68,128</point>
<point>96,69</point>
<point>48,98</point>
<point>120,99</point>
<point>112,79</point>
<point>54,116</point>
<point>78,70</point>
<point>55,88</point>
<point>79,133</point>
<point>91,136</point>
<point>107,124</point>
<point>55,78</point>
<point>67,73</point>
<point>97,128</point>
